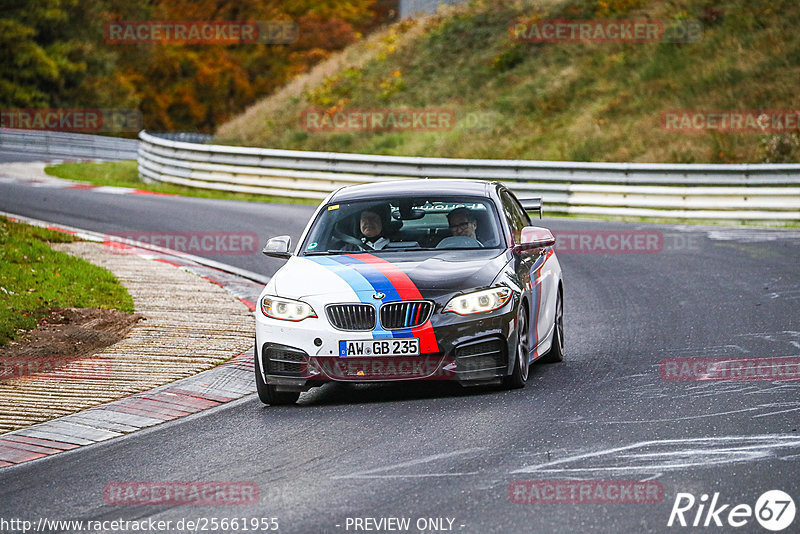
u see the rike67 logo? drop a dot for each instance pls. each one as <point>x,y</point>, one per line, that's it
<point>774,510</point>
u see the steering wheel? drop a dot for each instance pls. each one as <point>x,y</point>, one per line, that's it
<point>338,234</point>
<point>458,241</point>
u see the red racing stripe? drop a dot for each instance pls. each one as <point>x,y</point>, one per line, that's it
<point>407,291</point>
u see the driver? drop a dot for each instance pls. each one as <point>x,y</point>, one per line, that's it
<point>462,223</point>
<point>371,226</point>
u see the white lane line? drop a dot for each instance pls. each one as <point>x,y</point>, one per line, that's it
<point>791,407</point>
<point>709,350</point>
<point>776,413</point>
<point>692,452</point>
<point>422,475</point>
<point>675,419</point>
<point>775,387</point>
<point>410,463</point>
<point>653,477</point>
<point>739,391</point>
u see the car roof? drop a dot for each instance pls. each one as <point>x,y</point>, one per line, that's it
<point>437,186</point>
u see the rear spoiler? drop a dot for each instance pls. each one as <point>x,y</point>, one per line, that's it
<point>532,204</point>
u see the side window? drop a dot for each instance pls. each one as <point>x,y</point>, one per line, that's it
<point>516,216</point>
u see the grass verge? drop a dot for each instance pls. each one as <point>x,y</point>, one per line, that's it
<point>126,174</point>
<point>34,278</point>
<point>573,101</point>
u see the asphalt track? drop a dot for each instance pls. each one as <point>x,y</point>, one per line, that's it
<point>9,157</point>
<point>432,450</point>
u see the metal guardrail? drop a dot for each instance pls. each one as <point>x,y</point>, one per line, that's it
<point>734,192</point>
<point>186,137</point>
<point>67,145</point>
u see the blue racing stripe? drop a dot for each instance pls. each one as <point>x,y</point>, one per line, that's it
<point>379,283</point>
<point>362,287</point>
<point>377,279</point>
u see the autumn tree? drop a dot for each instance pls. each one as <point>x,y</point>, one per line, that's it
<point>54,54</point>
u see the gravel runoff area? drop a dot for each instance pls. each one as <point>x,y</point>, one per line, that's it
<point>191,325</point>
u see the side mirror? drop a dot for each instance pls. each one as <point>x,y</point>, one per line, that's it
<point>534,237</point>
<point>278,247</point>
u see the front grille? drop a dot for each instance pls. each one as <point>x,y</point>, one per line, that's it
<point>487,356</point>
<point>407,314</point>
<point>351,316</point>
<point>283,360</point>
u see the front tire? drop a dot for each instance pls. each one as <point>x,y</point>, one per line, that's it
<point>267,393</point>
<point>519,375</point>
<point>556,352</point>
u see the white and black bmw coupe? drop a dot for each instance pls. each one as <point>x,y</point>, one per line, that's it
<point>411,280</point>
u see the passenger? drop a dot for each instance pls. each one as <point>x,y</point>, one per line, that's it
<point>462,222</point>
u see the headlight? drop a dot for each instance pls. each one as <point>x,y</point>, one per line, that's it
<point>286,309</point>
<point>479,301</point>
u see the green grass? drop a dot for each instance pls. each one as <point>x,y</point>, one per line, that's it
<point>552,101</point>
<point>125,174</point>
<point>35,278</point>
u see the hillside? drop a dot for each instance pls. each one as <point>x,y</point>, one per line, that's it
<point>564,100</point>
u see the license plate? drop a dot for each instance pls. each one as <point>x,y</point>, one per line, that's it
<point>408,346</point>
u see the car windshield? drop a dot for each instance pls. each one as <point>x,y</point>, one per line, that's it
<point>424,223</point>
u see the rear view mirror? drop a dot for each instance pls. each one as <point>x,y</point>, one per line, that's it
<point>411,214</point>
<point>533,238</point>
<point>278,247</point>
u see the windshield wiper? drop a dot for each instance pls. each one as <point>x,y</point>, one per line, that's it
<point>329,252</point>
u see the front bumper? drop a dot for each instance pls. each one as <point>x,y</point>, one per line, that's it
<point>472,350</point>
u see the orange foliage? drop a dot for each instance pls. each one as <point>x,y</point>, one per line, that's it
<point>195,87</point>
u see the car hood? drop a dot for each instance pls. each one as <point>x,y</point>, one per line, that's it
<point>398,275</point>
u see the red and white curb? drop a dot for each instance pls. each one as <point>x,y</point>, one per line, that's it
<point>224,383</point>
<point>58,183</point>
<point>229,381</point>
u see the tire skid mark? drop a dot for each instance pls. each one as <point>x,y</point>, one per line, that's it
<point>644,457</point>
